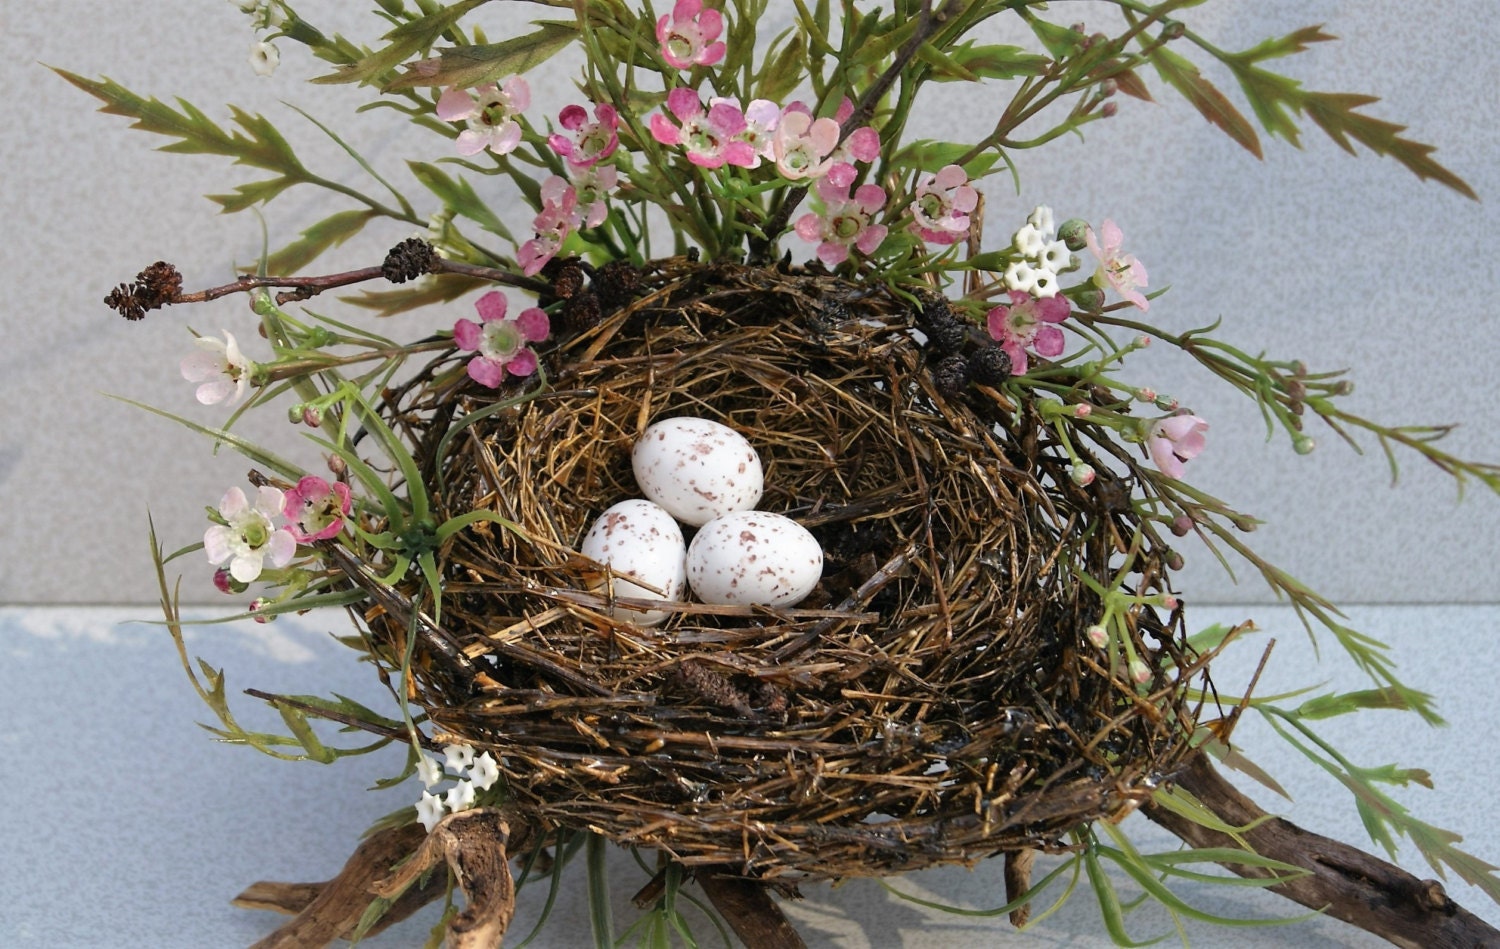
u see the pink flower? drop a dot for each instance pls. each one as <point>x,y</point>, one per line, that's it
<point>761,118</point>
<point>711,137</point>
<point>1174,441</point>
<point>689,35</point>
<point>559,218</point>
<point>490,113</point>
<point>591,141</point>
<point>592,186</point>
<point>500,341</point>
<point>942,204</point>
<point>845,221</point>
<point>222,370</point>
<point>802,144</point>
<point>315,509</point>
<point>1027,322</point>
<point>1121,271</point>
<point>247,539</point>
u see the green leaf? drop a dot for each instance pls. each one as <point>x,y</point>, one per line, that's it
<point>402,43</point>
<point>1342,703</point>
<point>783,71</point>
<point>459,195</point>
<point>993,62</point>
<point>329,232</point>
<point>930,155</point>
<point>468,66</point>
<point>391,302</point>
<point>256,143</point>
<point>1183,76</point>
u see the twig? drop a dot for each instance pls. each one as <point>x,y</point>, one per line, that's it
<point>1342,881</point>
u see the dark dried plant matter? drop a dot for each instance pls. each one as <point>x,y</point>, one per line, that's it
<point>935,701</point>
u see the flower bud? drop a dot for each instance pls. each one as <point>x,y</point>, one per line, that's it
<point>1182,525</point>
<point>1109,87</point>
<point>225,583</point>
<point>1082,474</point>
<point>1089,299</point>
<point>1147,394</point>
<point>1083,410</point>
<point>1303,444</point>
<point>1097,635</point>
<point>1142,341</point>
<point>1172,29</point>
<point>1109,110</point>
<point>1244,522</point>
<point>258,604</point>
<point>1073,232</point>
<point>1140,673</point>
<point>1174,560</point>
<point>1342,387</point>
<point>337,466</point>
<point>311,417</point>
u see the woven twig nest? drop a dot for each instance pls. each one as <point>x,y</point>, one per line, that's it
<point>934,701</point>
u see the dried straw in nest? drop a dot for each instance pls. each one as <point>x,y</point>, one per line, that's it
<point>935,700</point>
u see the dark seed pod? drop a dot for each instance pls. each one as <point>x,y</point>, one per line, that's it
<point>581,312</point>
<point>990,365</point>
<point>617,283</point>
<point>951,375</point>
<point>408,260</point>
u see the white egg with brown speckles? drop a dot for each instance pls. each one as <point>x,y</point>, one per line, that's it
<point>697,469</point>
<point>754,558</point>
<point>638,539</point>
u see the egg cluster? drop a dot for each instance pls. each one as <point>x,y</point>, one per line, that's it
<point>707,476</point>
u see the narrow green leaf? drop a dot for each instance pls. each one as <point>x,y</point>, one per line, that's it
<point>428,293</point>
<point>1183,76</point>
<point>1342,703</point>
<point>459,195</point>
<point>329,232</point>
<point>405,41</point>
<point>468,66</point>
<point>996,61</point>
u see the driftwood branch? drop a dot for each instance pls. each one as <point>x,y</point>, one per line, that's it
<point>331,910</point>
<point>473,844</point>
<point>749,910</point>
<point>1343,881</point>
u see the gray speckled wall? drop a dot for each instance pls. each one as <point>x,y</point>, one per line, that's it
<point>1313,254</point>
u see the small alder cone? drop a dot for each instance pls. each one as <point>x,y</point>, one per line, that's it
<point>990,365</point>
<point>617,283</point>
<point>408,260</point>
<point>154,287</point>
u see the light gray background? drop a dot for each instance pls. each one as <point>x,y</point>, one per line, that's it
<point>1339,261</point>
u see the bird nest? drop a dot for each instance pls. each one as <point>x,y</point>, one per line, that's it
<point>935,700</point>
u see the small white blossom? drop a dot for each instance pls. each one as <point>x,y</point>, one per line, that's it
<point>264,57</point>
<point>428,770</point>
<point>460,797</point>
<point>220,367</point>
<point>247,539</point>
<point>1020,276</point>
<point>429,810</point>
<point>1055,257</point>
<point>485,772</point>
<point>458,757</point>
<point>1029,241</point>
<point>1041,219</point>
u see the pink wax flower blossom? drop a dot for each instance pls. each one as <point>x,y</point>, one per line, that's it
<point>559,218</point>
<point>941,205</point>
<point>711,136</point>
<point>761,118</point>
<point>1174,441</point>
<point>689,35</point>
<point>500,341</point>
<point>315,509</point>
<point>592,186</point>
<point>221,369</point>
<point>845,220</point>
<point>802,145</point>
<point>590,142</point>
<point>1027,322</point>
<point>1121,271</point>
<point>247,539</point>
<point>490,113</point>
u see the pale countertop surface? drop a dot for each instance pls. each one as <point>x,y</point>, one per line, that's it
<point>131,827</point>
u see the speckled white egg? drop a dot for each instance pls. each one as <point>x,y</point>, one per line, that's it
<point>638,539</point>
<point>697,469</point>
<point>754,557</point>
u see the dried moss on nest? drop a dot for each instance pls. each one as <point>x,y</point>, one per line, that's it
<point>934,701</point>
